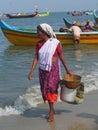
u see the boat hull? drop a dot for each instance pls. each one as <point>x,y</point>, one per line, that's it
<point>84,38</point>
<point>19,16</point>
<point>20,39</point>
<point>24,39</point>
<point>27,37</point>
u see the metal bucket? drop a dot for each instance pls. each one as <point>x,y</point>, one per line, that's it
<point>67,95</point>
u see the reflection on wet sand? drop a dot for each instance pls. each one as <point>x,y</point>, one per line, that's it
<point>78,126</point>
<point>73,126</point>
<point>52,125</point>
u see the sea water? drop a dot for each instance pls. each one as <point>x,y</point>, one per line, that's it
<point>17,93</point>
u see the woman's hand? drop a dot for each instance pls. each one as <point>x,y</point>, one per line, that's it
<point>35,61</point>
<point>69,73</point>
<point>30,75</point>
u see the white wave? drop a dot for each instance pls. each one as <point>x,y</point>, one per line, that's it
<point>89,76</point>
<point>90,82</point>
<point>96,63</point>
<point>8,110</point>
<point>30,99</point>
<point>78,66</point>
<point>33,96</point>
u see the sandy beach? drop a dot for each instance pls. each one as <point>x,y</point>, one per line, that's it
<point>67,117</point>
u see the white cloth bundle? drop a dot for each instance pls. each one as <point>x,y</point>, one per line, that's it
<point>46,52</point>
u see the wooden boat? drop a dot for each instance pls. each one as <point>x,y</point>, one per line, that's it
<point>28,15</point>
<point>77,13</point>
<point>20,15</point>
<point>95,16</point>
<point>69,24</point>
<point>28,37</point>
<point>89,13</point>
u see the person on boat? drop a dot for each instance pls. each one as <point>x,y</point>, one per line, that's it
<point>75,29</point>
<point>36,13</point>
<point>88,27</point>
<point>48,54</point>
<point>63,29</point>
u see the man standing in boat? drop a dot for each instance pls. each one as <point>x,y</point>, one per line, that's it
<point>36,12</point>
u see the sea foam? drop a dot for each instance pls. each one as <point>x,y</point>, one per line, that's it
<point>30,99</point>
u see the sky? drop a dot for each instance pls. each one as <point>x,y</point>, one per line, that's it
<point>12,6</point>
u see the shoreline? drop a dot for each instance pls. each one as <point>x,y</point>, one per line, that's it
<point>67,117</point>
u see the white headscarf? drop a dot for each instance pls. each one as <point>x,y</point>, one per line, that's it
<point>48,30</point>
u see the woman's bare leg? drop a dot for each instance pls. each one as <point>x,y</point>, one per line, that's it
<point>51,111</point>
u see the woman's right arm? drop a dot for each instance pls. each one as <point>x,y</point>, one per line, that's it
<point>34,64</point>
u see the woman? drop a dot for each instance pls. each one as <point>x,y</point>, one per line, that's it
<point>48,53</point>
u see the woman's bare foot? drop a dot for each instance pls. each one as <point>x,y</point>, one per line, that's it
<point>47,116</point>
<point>51,117</point>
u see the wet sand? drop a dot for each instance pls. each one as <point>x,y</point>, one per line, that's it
<point>67,117</point>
